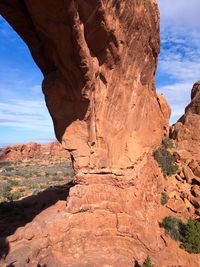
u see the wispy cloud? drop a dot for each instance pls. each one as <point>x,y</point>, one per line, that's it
<point>24,113</point>
<point>181,13</point>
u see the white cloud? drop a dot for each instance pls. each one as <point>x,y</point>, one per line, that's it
<point>25,114</point>
<point>182,13</point>
<point>181,70</point>
<point>179,61</point>
<point>178,95</point>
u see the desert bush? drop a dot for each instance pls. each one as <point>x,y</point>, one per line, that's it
<point>33,186</point>
<point>147,262</point>
<point>192,236</point>
<point>13,182</point>
<point>8,195</point>
<point>165,159</point>
<point>164,198</point>
<point>22,190</point>
<point>173,227</point>
<point>16,195</point>
<point>167,143</point>
<point>188,234</point>
<point>6,192</point>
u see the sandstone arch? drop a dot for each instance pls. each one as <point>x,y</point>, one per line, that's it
<point>98,59</point>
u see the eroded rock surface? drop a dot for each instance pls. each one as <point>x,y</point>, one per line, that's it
<point>186,131</point>
<point>33,151</point>
<point>99,60</point>
<point>185,185</point>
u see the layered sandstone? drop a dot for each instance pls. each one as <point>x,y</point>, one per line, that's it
<point>99,59</point>
<point>33,151</point>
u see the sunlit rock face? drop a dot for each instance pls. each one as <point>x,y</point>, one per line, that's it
<point>186,132</point>
<point>98,59</point>
<point>33,151</point>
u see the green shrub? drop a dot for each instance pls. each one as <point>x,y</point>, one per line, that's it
<point>192,237</point>
<point>9,196</point>
<point>147,262</point>
<point>16,195</point>
<point>173,227</point>
<point>164,198</point>
<point>22,190</point>
<point>167,143</point>
<point>33,186</point>
<point>166,161</point>
<point>188,234</point>
<point>6,192</point>
<point>13,182</point>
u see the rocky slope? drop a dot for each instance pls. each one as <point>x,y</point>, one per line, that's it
<point>184,187</point>
<point>99,59</point>
<point>33,151</point>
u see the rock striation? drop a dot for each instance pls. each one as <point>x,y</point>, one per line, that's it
<point>99,59</point>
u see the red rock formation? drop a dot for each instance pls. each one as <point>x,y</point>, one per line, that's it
<point>187,150</point>
<point>33,151</point>
<point>99,59</point>
<point>186,131</point>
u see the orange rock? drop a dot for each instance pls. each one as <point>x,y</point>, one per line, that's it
<point>99,67</point>
<point>186,131</point>
<point>33,151</point>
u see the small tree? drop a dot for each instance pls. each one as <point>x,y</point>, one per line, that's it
<point>147,262</point>
<point>165,159</point>
<point>167,143</point>
<point>188,234</point>
<point>192,236</point>
<point>174,227</point>
<point>164,198</point>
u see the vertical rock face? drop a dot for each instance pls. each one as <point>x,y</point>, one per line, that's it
<point>186,131</point>
<point>187,149</point>
<point>98,59</point>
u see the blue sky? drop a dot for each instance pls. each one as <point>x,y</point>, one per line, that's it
<point>23,114</point>
<point>179,61</point>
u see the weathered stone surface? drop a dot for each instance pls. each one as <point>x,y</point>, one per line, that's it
<point>186,131</point>
<point>33,151</point>
<point>189,175</point>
